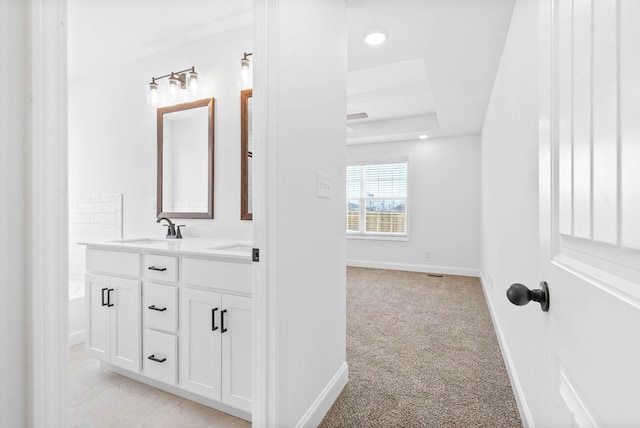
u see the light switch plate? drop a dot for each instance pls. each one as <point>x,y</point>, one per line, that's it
<point>324,185</point>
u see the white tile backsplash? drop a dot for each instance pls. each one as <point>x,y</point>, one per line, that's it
<point>92,218</point>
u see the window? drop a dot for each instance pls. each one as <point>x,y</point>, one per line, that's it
<point>377,199</point>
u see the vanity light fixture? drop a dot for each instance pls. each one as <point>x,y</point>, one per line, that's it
<point>245,71</point>
<point>423,136</point>
<point>178,81</point>
<point>245,62</point>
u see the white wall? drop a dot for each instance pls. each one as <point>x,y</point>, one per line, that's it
<point>305,256</point>
<point>443,208</point>
<point>509,208</point>
<point>112,133</point>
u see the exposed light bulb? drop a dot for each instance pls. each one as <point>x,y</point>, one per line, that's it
<point>245,78</point>
<point>193,87</point>
<point>245,63</point>
<point>245,71</point>
<point>375,38</point>
<point>174,84</point>
<point>193,83</point>
<point>152,93</point>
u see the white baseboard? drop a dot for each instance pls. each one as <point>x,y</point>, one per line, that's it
<point>325,400</point>
<point>525,413</point>
<point>444,270</point>
<point>76,337</point>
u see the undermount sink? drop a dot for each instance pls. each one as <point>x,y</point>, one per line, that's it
<point>234,247</point>
<point>144,241</point>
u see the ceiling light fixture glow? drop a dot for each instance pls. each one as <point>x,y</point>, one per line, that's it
<point>423,136</point>
<point>375,38</point>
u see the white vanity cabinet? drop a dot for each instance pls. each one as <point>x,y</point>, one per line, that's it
<point>113,307</point>
<point>216,346</point>
<point>176,315</point>
<point>113,320</point>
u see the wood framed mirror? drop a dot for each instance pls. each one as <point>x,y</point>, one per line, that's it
<point>185,160</point>
<point>246,154</point>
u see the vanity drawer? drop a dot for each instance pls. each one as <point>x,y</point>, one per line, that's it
<point>161,356</point>
<point>160,306</point>
<point>164,268</point>
<point>217,274</point>
<point>113,262</point>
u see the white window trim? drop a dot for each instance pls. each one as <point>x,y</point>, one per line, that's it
<point>378,236</point>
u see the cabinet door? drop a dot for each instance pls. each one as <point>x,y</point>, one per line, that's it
<point>236,352</point>
<point>125,323</point>
<point>97,316</point>
<point>200,342</point>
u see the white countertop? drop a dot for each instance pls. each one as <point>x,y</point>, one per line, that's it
<point>218,248</point>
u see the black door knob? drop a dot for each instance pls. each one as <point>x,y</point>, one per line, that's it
<point>520,295</point>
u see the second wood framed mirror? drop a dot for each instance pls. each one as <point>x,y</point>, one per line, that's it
<point>246,154</point>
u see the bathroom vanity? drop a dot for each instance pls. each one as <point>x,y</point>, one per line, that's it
<point>175,314</point>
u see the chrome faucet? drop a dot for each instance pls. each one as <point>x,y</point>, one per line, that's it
<point>171,228</point>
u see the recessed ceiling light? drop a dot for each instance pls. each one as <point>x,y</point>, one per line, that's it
<point>375,38</point>
<point>423,136</point>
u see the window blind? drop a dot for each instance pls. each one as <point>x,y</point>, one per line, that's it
<point>377,198</point>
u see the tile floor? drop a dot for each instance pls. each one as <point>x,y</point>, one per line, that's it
<point>101,399</point>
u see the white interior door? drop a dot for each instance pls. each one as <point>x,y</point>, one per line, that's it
<point>590,209</point>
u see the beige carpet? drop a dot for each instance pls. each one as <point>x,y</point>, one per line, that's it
<point>422,352</point>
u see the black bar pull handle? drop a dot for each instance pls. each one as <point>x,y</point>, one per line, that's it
<point>224,311</point>
<point>103,302</point>
<point>109,304</point>
<point>154,308</point>
<point>159,269</point>
<point>213,319</point>
<point>157,360</point>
